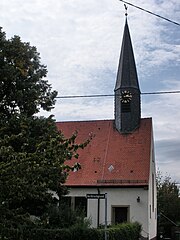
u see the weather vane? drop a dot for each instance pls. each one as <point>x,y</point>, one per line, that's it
<point>126,10</point>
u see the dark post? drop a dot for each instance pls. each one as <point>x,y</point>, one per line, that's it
<point>98,210</point>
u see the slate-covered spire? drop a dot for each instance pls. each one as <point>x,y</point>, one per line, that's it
<point>127,74</point>
<point>127,92</point>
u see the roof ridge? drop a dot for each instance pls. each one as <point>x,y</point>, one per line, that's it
<point>94,120</point>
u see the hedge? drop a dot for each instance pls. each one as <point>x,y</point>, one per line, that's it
<point>125,231</point>
<point>129,231</point>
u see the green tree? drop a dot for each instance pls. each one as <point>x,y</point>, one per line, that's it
<point>168,197</point>
<point>23,88</point>
<point>32,151</point>
<point>168,202</point>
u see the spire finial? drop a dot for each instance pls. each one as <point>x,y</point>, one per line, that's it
<point>126,10</point>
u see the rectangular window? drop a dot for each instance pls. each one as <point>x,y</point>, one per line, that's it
<point>81,204</point>
<point>119,214</point>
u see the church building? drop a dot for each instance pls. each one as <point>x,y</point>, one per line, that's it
<point>119,161</point>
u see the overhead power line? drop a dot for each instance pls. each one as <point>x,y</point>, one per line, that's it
<point>112,95</point>
<point>86,96</point>
<point>157,15</point>
<point>163,92</point>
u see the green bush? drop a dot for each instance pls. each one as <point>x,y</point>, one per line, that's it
<point>63,217</point>
<point>48,234</point>
<point>129,231</point>
<point>125,231</point>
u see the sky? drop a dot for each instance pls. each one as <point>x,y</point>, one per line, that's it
<point>80,42</point>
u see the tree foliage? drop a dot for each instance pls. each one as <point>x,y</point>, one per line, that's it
<point>23,88</point>
<point>32,151</point>
<point>168,197</point>
<point>168,203</point>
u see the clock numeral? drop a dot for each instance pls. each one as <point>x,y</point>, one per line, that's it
<point>125,96</point>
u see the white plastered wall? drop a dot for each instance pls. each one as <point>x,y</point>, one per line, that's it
<point>152,203</point>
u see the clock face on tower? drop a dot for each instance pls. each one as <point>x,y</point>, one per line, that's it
<point>126,96</point>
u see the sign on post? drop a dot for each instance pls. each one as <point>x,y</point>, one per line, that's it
<point>100,196</point>
<point>95,196</point>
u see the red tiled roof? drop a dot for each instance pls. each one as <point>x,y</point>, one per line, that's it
<point>111,158</point>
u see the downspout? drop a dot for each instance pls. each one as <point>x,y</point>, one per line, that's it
<point>98,209</point>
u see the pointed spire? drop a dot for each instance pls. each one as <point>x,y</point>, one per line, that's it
<point>128,112</point>
<point>127,74</point>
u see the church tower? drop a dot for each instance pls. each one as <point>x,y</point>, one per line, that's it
<point>127,91</point>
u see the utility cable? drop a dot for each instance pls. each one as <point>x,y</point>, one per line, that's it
<point>112,95</point>
<point>157,15</point>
